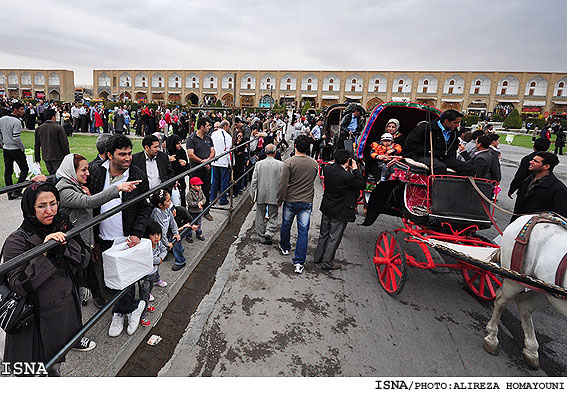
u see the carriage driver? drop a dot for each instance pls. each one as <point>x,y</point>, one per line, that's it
<point>445,144</point>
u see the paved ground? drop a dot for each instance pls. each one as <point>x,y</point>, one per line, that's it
<point>261,319</point>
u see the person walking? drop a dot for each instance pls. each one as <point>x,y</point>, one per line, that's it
<point>559,141</point>
<point>296,192</point>
<point>264,192</point>
<point>343,182</point>
<point>51,142</point>
<point>222,142</point>
<point>13,147</point>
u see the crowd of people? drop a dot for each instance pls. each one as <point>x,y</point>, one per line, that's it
<point>62,279</point>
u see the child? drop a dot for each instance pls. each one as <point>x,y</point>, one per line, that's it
<point>384,152</point>
<point>195,201</point>
<point>161,200</point>
<point>183,220</point>
<point>153,231</point>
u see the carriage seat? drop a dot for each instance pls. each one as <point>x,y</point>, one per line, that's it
<point>418,168</point>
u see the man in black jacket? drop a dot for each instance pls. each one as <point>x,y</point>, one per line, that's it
<point>541,191</point>
<point>351,126</point>
<point>51,142</point>
<point>540,144</point>
<point>343,182</point>
<point>130,222</point>
<point>486,164</point>
<point>445,144</point>
<point>153,162</point>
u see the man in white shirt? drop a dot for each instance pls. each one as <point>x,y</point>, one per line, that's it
<point>222,142</point>
<point>75,116</point>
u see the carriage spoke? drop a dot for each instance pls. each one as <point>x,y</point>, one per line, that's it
<point>473,278</point>
<point>396,270</point>
<point>481,284</point>
<point>490,286</point>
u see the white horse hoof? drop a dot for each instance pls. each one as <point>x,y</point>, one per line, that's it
<point>532,361</point>
<point>490,347</point>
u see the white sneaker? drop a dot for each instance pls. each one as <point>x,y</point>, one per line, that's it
<point>299,268</point>
<point>152,298</point>
<point>117,325</point>
<point>134,318</point>
<point>161,284</point>
<point>283,252</point>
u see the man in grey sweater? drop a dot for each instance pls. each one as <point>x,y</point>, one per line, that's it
<point>14,149</point>
<point>296,192</point>
<point>265,193</point>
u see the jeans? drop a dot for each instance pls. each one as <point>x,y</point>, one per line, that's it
<point>178,252</point>
<point>199,232</point>
<point>145,286</point>
<point>221,177</point>
<point>303,212</point>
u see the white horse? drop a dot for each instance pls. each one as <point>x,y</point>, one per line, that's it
<point>546,247</point>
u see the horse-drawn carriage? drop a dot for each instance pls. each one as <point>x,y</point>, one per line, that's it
<point>444,213</point>
<point>442,209</point>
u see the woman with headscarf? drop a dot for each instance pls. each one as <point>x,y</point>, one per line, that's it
<point>50,280</point>
<point>78,204</point>
<point>178,159</point>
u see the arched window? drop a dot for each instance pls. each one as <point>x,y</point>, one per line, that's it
<point>401,82</point>
<point>377,82</point>
<point>426,82</point>
<point>353,81</point>
<point>561,84</point>
<point>288,80</point>
<point>505,83</point>
<point>230,79</point>
<point>268,80</point>
<point>533,84</point>
<point>308,80</point>
<point>331,80</point>
<point>477,83</point>
<point>451,82</point>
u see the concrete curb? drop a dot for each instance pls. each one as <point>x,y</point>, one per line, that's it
<point>112,353</point>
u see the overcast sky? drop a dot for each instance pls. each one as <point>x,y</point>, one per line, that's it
<point>489,35</point>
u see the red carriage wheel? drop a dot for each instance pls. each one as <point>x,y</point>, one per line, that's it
<point>482,283</point>
<point>390,261</point>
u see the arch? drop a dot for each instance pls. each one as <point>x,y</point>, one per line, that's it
<point>536,86</point>
<point>227,82</point>
<point>354,83</point>
<point>192,99</point>
<point>3,78</point>
<point>125,96</point>
<point>451,105</point>
<point>54,95</point>
<point>192,81</point>
<point>174,98</point>
<point>26,79</point>
<point>480,85</point>
<point>210,82</point>
<point>288,82</point>
<point>246,101</point>
<point>558,91</point>
<point>268,82</point>
<point>159,97</point>
<point>248,82</point>
<point>174,81</point>
<point>141,80</point>
<point>309,83</point>
<point>103,94</point>
<point>377,84</point>
<point>373,103</point>
<point>125,80</point>
<point>12,78</point>
<point>455,84</point>
<point>141,97</point>
<point>227,99</point>
<point>331,82</point>
<point>508,85</point>
<point>403,84</point>
<point>266,101</point>
<point>427,84</point>
<point>103,80</point>
<point>209,99</point>
<point>158,80</point>
<point>428,102</point>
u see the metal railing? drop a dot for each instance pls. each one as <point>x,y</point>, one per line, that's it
<point>42,248</point>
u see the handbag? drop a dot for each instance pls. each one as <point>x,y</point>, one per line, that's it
<point>16,312</point>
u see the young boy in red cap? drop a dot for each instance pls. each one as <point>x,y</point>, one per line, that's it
<point>195,203</point>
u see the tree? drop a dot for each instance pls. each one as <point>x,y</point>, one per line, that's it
<point>469,120</point>
<point>305,108</point>
<point>513,120</point>
<point>218,104</point>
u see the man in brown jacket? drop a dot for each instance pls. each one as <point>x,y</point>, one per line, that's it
<point>51,138</point>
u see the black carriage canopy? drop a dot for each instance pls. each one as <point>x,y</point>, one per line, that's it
<point>409,114</point>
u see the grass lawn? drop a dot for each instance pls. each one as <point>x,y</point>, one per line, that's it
<point>524,141</point>
<point>81,144</point>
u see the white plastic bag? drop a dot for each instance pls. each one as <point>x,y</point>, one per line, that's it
<point>123,265</point>
<point>175,197</point>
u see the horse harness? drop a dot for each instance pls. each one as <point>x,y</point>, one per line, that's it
<point>524,236</point>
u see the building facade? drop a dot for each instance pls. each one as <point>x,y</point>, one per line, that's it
<point>470,92</point>
<point>58,85</point>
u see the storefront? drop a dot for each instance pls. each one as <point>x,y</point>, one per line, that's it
<point>328,100</point>
<point>288,101</point>
<point>455,104</point>
<point>478,108</point>
<point>532,108</point>
<point>503,108</point>
<point>26,94</point>
<point>559,108</point>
